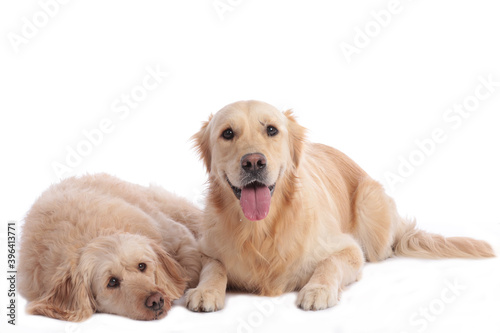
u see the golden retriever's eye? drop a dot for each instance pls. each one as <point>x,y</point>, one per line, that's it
<point>272,131</point>
<point>142,267</point>
<point>228,134</point>
<point>113,283</point>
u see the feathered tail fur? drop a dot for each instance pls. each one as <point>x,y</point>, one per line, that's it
<point>412,242</point>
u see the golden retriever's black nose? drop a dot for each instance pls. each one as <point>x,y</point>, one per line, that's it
<point>155,301</point>
<point>253,162</point>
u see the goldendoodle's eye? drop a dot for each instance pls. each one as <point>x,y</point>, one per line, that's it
<point>113,283</point>
<point>228,134</point>
<point>142,267</point>
<point>272,131</point>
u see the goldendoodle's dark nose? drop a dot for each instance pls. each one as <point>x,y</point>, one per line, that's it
<point>155,301</point>
<point>253,162</point>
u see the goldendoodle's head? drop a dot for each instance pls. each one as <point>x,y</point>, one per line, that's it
<point>123,274</point>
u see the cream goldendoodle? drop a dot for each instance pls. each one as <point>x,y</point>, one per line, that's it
<point>99,244</point>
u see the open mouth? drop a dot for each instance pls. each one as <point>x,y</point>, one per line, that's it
<point>255,199</point>
<point>237,190</point>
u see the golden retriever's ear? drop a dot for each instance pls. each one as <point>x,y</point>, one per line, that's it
<point>202,143</point>
<point>297,135</point>
<point>69,299</point>
<point>170,276</point>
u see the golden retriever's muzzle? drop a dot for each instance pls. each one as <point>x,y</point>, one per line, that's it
<point>255,195</point>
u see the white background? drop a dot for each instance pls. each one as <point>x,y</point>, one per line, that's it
<point>65,78</point>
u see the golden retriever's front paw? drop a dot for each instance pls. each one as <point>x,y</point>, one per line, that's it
<point>204,300</point>
<point>317,297</point>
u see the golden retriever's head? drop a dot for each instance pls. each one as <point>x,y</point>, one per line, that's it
<point>251,148</point>
<point>123,274</point>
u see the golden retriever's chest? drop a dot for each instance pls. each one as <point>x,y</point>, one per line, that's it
<point>266,270</point>
<point>253,274</point>
<point>268,259</point>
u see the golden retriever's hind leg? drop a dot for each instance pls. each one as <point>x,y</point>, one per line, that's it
<point>330,276</point>
<point>381,232</point>
<point>375,215</point>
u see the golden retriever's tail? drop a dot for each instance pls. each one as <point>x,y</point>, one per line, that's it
<point>412,242</point>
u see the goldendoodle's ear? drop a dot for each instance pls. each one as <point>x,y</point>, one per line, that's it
<point>69,299</point>
<point>170,276</point>
<point>296,135</point>
<point>202,143</point>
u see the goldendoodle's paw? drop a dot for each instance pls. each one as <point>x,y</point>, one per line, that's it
<point>204,300</point>
<point>317,297</point>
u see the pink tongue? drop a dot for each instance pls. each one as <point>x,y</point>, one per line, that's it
<point>255,202</point>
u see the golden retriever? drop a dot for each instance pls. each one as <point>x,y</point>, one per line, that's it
<point>100,244</point>
<point>284,214</point>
